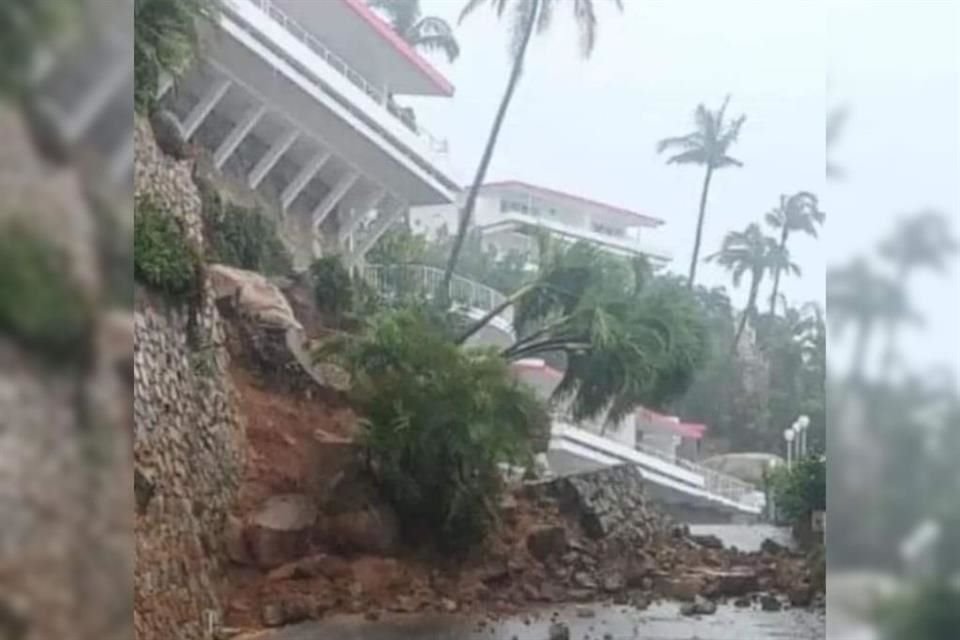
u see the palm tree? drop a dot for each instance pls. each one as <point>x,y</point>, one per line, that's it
<point>859,296</point>
<point>923,240</point>
<point>527,15</point>
<point>624,343</point>
<point>751,251</point>
<point>799,212</point>
<point>428,33</point>
<point>708,146</point>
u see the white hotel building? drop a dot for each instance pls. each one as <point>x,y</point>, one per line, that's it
<point>294,99</point>
<point>510,213</point>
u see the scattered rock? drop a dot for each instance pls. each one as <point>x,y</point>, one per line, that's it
<point>280,530</point>
<point>639,601</point>
<point>770,602</point>
<point>559,631</point>
<point>708,541</point>
<point>586,612</point>
<point>772,547</point>
<point>546,542</point>
<point>684,587</point>
<point>584,580</point>
<point>731,584</point>
<point>742,603</point>
<point>614,582</point>
<point>235,542</point>
<point>272,615</point>
<point>450,606</point>
<point>699,607</point>
<point>800,595</point>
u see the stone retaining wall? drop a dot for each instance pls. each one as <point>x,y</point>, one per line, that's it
<point>188,437</point>
<point>610,503</point>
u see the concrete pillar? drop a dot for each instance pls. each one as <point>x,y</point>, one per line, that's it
<point>164,84</point>
<point>271,157</point>
<point>292,190</point>
<point>382,224</point>
<point>336,194</point>
<point>205,106</point>
<point>237,134</point>
<point>368,204</point>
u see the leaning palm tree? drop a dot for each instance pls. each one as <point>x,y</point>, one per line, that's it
<point>527,16</point>
<point>799,212</point>
<point>429,33</point>
<point>751,251</point>
<point>709,146</point>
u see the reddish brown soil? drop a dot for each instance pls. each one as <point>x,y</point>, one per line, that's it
<point>280,427</point>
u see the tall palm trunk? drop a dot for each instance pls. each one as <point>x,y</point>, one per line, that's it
<point>890,349</point>
<point>751,306</point>
<point>467,213</point>
<point>699,236</point>
<point>777,270</point>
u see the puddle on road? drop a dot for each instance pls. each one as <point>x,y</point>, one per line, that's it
<point>659,622</point>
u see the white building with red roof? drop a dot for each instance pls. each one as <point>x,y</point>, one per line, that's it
<point>510,213</point>
<point>296,100</point>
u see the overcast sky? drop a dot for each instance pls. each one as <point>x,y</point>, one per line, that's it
<point>590,126</point>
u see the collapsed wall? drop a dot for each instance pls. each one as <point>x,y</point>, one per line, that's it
<point>189,438</point>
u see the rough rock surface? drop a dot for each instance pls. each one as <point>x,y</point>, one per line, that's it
<point>189,440</point>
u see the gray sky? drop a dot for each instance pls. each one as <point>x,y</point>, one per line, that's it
<point>590,126</point>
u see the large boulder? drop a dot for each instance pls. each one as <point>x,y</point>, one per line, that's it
<point>254,296</point>
<point>280,531</point>
<point>547,542</point>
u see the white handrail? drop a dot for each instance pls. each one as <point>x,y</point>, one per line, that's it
<point>423,279</point>
<point>340,65</point>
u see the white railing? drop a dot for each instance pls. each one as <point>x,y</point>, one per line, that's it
<point>717,483</point>
<point>425,281</point>
<point>575,232</point>
<point>340,66</point>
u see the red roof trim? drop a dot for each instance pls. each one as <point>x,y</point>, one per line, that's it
<point>386,31</point>
<point>536,366</point>
<point>517,184</point>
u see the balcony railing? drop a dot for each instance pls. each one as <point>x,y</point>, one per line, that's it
<point>623,243</point>
<point>339,65</point>
<point>417,280</point>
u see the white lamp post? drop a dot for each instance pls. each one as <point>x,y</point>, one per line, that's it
<point>788,435</point>
<point>803,423</point>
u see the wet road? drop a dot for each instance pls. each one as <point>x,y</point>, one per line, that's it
<point>608,622</point>
<point>660,622</point>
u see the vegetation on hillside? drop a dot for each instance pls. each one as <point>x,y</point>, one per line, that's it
<point>438,419</point>
<point>162,258</point>
<point>165,40</point>
<point>801,489</point>
<point>243,237</point>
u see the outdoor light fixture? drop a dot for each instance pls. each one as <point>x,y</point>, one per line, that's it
<point>789,435</point>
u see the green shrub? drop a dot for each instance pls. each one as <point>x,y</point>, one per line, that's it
<point>39,306</point>
<point>802,489</point>
<point>243,237</point>
<point>332,286</point>
<point>162,259</point>
<point>437,421</point>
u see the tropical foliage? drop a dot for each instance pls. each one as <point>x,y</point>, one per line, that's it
<point>708,145</point>
<point>428,33</point>
<point>162,258</point>
<point>243,237</point>
<point>527,16</point>
<point>333,288</point>
<point>801,489</point>
<point>165,40</point>
<point>438,420</point>
<point>25,27</point>
<point>798,212</point>
<point>751,252</point>
<point>626,339</point>
<point>39,306</point>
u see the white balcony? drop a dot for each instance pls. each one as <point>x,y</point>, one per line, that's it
<point>291,51</point>
<point>625,245</point>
